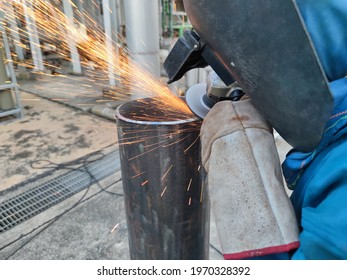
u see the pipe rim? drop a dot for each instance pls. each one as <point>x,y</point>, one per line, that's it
<point>129,120</point>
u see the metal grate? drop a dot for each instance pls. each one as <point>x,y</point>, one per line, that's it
<point>34,201</point>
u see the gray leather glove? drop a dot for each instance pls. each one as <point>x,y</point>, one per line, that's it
<point>253,214</point>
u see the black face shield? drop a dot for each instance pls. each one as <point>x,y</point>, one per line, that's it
<point>265,47</point>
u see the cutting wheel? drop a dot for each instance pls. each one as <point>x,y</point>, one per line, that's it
<point>194,99</point>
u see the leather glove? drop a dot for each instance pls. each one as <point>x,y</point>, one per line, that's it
<point>253,214</point>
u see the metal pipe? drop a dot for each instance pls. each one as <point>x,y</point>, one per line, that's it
<point>166,199</point>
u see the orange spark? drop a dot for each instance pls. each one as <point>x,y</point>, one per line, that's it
<point>53,24</point>
<point>114,228</point>
<point>162,178</point>
<point>190,183</point>
<point>144,183</point>
<point>162,193</point>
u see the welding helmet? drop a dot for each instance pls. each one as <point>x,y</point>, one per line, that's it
<point>282,53</point>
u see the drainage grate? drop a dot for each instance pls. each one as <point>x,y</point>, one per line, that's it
<point>34,201</point>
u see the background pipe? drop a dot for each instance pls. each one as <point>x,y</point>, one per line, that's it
<point>142,33</point>
<point>165,197</point>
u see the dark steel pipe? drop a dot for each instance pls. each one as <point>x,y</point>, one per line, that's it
<point>166,199</point>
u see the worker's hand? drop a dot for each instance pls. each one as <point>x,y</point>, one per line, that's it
<point>253,214</point>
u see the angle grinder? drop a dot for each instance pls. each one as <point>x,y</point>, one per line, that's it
<point>191,52</point>
<point>201,97</point>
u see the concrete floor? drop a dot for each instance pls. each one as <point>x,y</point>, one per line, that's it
<point>49,131</point>
<point>58,127</point>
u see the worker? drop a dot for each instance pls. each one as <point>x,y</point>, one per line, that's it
<point>253,217</point>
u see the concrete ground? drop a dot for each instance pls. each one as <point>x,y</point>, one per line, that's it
<point>49,131</point>
<point>59,127</point>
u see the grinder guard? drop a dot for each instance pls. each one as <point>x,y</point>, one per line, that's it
<point>264,45</point>
<point>191,52</point>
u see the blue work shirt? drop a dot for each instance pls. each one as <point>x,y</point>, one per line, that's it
<point>319,183</point>
<point>319,178</point>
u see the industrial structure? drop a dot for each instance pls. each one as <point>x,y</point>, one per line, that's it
<point>53,37</point>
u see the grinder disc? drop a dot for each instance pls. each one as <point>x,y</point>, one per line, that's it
<point>194,99</point>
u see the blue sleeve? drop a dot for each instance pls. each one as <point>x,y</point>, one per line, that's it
<point>320,204</point>
<point>320,201</point>
<point>279,256</point>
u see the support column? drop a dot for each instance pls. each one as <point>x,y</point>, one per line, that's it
<point>35,45</point>
<point>142,31</point>
<point>14,30</point>
<point>75,58</point>
<point>114,20</point>
<point>119,13</point>
<point>109,42</point>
